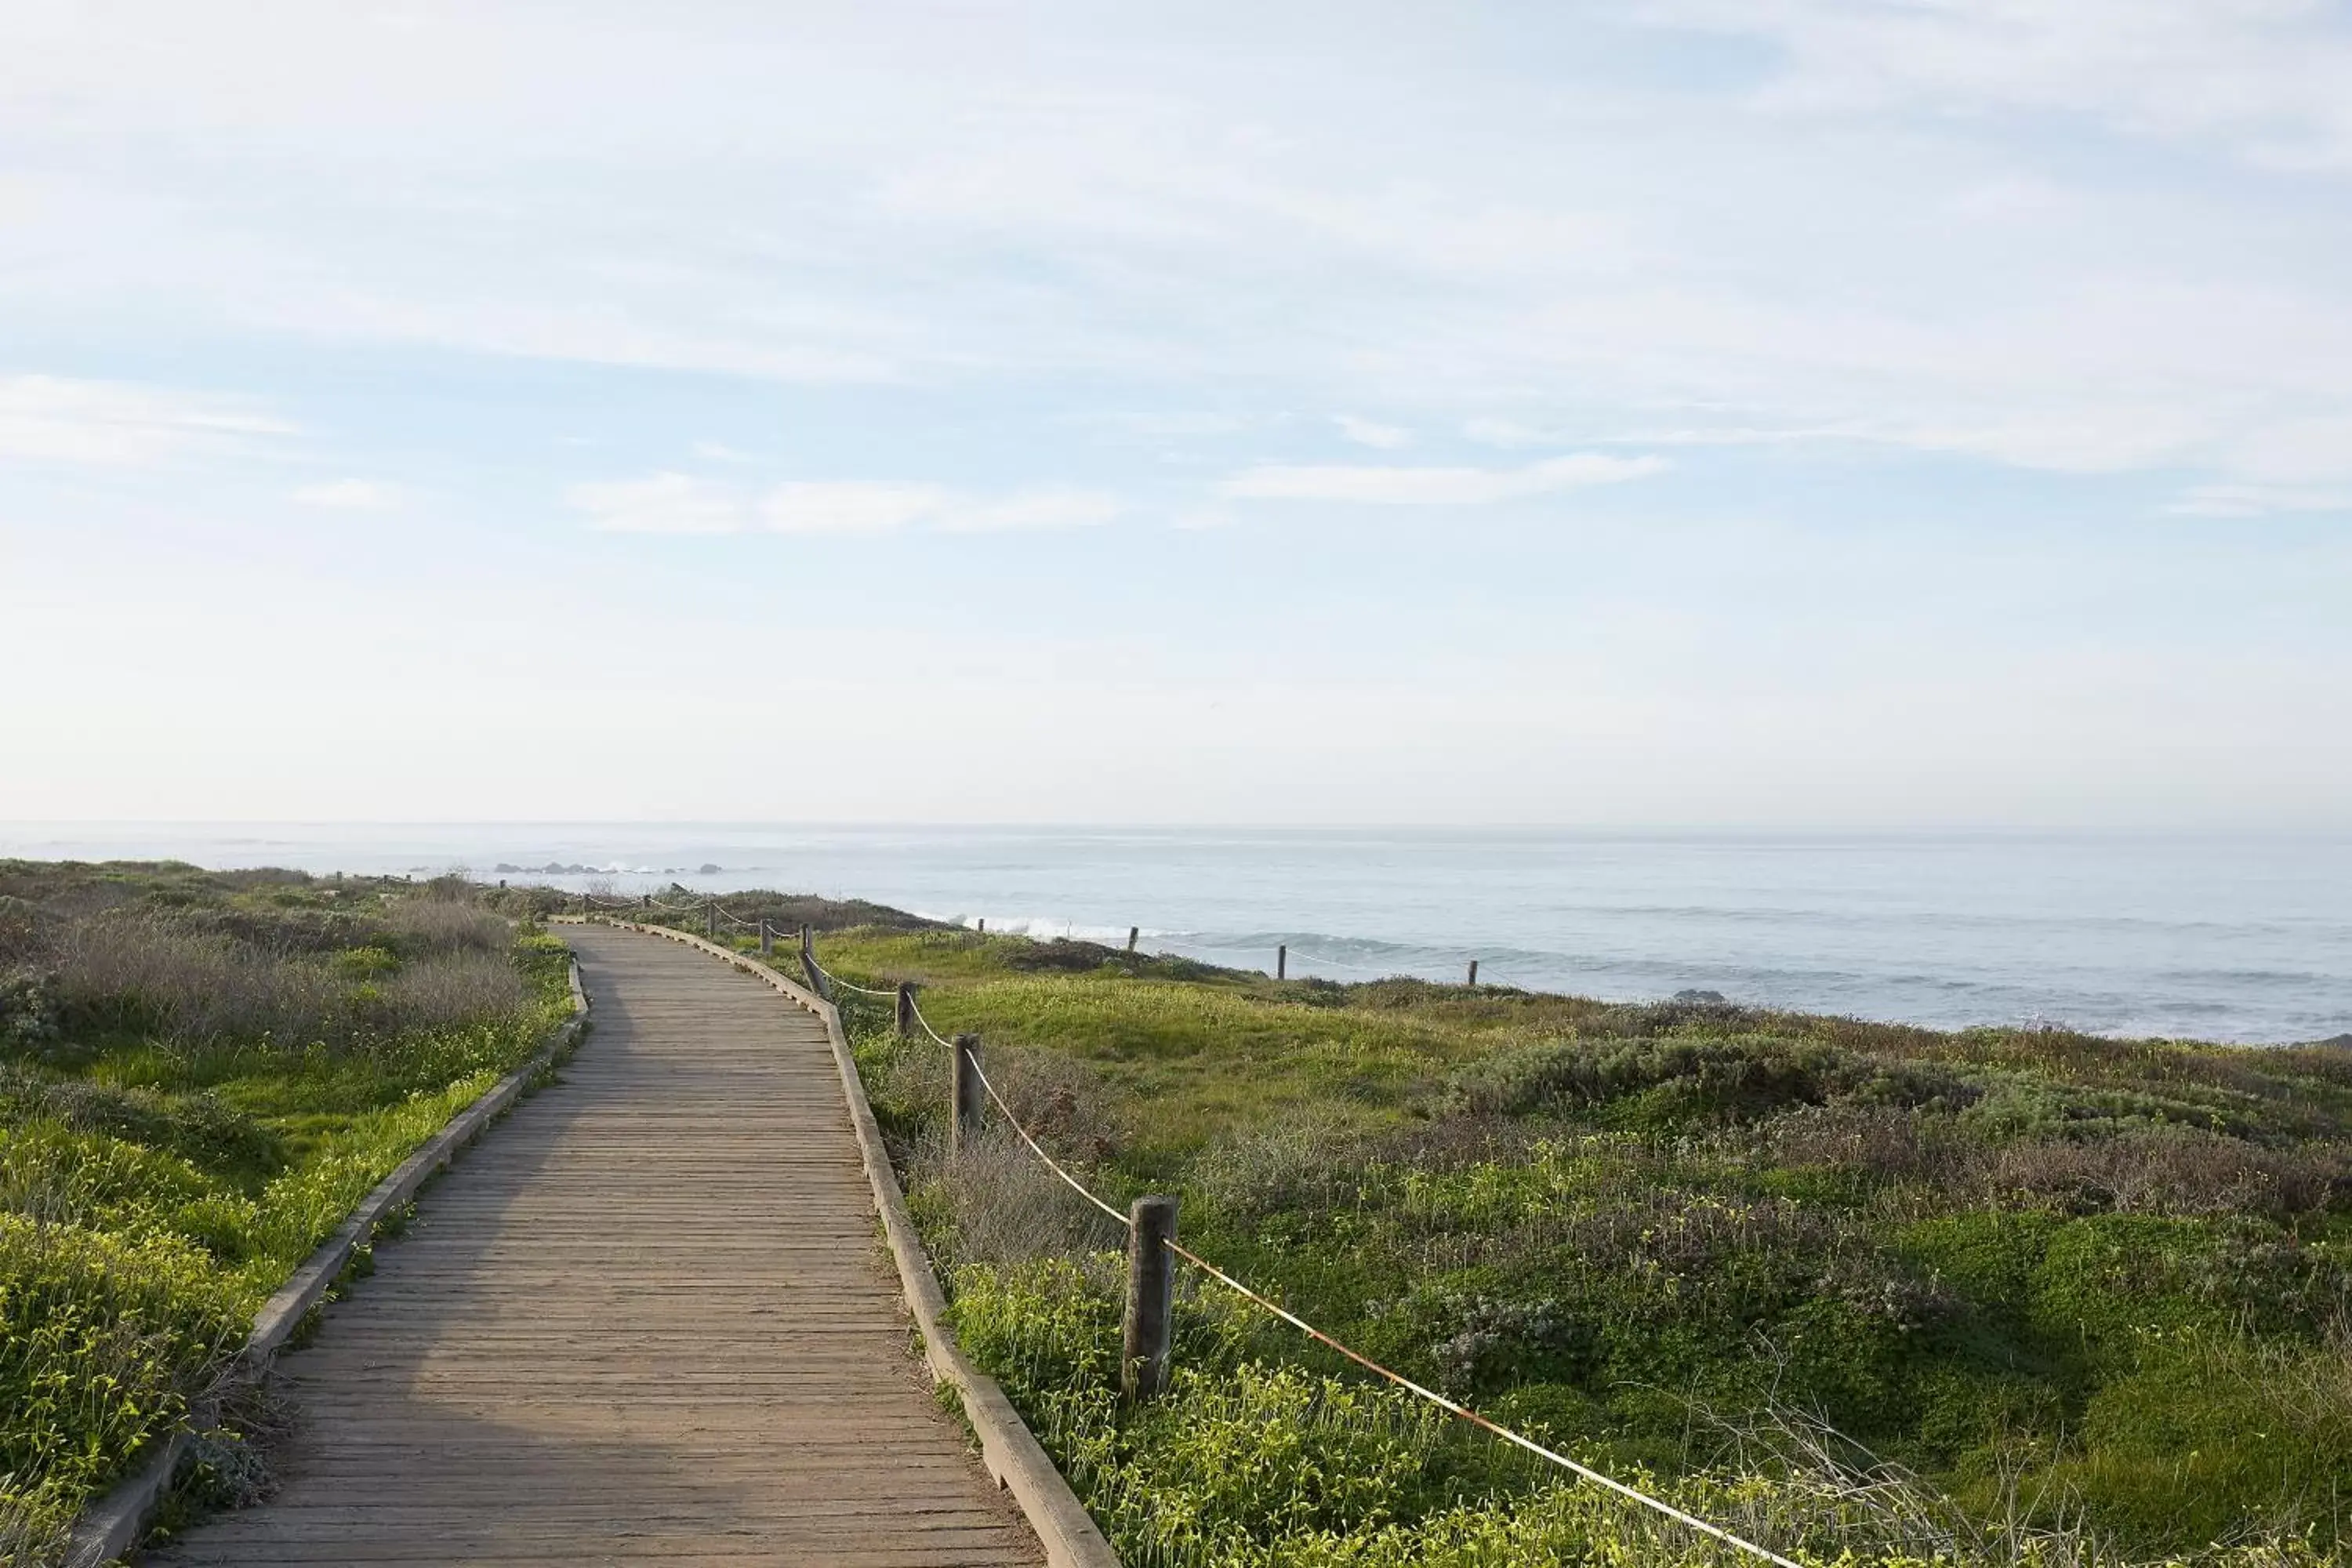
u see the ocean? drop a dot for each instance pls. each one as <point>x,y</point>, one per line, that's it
<point>2218,937</point>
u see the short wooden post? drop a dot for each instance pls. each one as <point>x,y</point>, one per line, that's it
<point>905,1009</point>
<point>809,970</point>
<point>710,920</point>
<point>767,939</point>
<point>1473,971</point>
<point>984,925</point>
<point>645,901</point>
<point>1282,961</point>
<point>1150,1298</point>
<point>1133,932</point>
<point>969,1095</point>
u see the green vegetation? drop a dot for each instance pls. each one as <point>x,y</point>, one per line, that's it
<point>1864,1292</point>
<point>782,911</point>
<point>201,1074</point>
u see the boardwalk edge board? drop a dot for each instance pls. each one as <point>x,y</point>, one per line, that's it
<point>1007,1447</point>
<point>113,1524</point>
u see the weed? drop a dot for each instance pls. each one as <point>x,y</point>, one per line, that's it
<point>228,1063</point>
<point>1870,1294</point>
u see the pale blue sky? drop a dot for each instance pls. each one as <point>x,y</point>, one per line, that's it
<point>1782,412</point>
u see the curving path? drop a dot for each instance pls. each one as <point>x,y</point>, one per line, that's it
<point>646,1320</point>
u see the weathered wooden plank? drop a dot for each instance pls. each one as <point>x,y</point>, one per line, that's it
<point>648,1322</point>
<point>116,1521</point>
<point>1011,1451</point>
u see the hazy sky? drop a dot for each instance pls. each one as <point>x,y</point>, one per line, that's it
<point>1779,411</point>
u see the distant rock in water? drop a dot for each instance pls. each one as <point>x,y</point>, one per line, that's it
<point>1713,999</point>
<point>707,869</point>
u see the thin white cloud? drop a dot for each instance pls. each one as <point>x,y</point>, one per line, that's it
<point>718,452</point>
<point>665,503</point>
<point>2257,500</point>
<point>1028,510</point>
<point>1511,433</point>
<point>1507,433</point>
<point>350,495</point>
<point>2271,81</point>
<point>1390,486</point>
<point>2300,451</point>
<point>1564,241</point>
<point>682,503</point>
<point>111,424</point>
<point>1166,426</point>
<point>1369,433</point>
<point>2056,436</point>
<point>850,507</point>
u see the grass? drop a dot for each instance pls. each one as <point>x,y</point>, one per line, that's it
<point>201,1074</point>
<point>1873,1293</point>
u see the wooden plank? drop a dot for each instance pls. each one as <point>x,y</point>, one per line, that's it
<point>1009,1448</point>
<point>648,1322</point>
<point>115,1523</point>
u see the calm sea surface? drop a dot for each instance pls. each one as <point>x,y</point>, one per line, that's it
<point>2211,937</point>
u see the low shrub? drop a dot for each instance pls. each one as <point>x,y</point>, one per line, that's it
<point>2215,1428</point>
<point>104,1341</point>
<point>1676,1081</point>
<point>230,1064</point>
<point>1874,1295</point>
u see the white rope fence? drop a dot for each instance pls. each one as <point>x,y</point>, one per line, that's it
<point>1467,1413</point>
<point>934,1034</point>
<point>852,984</point>
<point>1452,1407</point>
<point>1051,1163</point>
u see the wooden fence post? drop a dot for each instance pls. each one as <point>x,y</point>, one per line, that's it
<point>1150,1298</point>
<point>710,919</point>
<point>1133,932</point>
<point>969,1095</point>
<point>905,1009</point>
<point>808,966</point>
<point>767,939</point>
<point>1282,961</point>
<point>1473,971</point>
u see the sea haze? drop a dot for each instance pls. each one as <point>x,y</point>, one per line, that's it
<point>2213,937</point>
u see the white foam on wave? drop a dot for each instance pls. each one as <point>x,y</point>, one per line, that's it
<point>1042,928</point>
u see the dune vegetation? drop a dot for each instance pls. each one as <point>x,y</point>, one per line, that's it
<point>1866,1293</point>
<point>201,1074</point>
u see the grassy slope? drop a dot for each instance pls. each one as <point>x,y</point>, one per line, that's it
<point>186,1112</point>
<point>2058,1276</point>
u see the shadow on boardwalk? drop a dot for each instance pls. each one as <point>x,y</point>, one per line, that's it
<point>645,1320</point>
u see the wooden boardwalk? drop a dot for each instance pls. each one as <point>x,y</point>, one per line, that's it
<point>645,1321</point>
